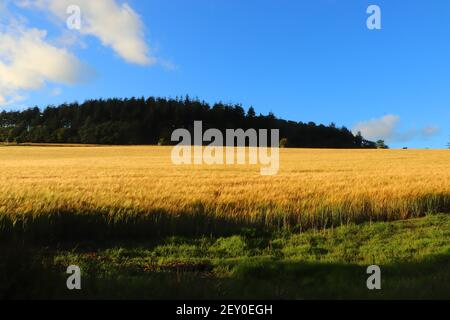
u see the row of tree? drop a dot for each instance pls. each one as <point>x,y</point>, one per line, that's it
<point>152,121</point>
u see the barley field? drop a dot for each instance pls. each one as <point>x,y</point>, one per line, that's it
<point>70,192</point>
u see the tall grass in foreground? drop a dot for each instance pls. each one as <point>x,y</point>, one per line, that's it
<point>121,192</point>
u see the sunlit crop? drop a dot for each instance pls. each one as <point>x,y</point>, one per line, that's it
<point>68,191</point>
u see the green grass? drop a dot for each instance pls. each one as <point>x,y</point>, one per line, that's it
<point>414,256</point>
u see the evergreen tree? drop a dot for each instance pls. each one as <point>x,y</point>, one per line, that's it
<point>152,120</point>
<point>381,144</point>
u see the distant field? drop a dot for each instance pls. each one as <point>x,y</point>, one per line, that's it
<point>120,191</point>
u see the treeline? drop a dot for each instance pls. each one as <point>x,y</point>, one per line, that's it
<point>152,121</point>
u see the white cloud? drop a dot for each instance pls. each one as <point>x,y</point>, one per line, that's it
<point>116,25</point>
<point>382,128</point>
<point>430,131</point>
<point>28,61</point>
<point>386,128</point>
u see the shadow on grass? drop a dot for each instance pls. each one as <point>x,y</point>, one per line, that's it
<point>128,224</point>
<point>96,226</point>
<point>27,274</point>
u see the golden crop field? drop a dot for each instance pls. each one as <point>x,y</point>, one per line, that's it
<point>70,190</point>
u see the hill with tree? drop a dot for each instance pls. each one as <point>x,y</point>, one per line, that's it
<point>151,121</point>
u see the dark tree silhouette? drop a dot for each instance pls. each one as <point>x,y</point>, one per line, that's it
<point>381,144</point>
<point>151,121</point>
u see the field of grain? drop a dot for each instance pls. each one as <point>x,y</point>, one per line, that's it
<point>59,192</point>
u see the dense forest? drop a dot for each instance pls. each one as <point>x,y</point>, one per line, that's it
<point>152,121</point>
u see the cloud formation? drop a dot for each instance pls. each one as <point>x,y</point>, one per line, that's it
<point>116,25</point>
<point>28,61</point>
<point>374,129</point>
<point>386,128</point>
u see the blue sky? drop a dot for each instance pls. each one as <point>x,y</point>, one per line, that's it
<point>303,60</point>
